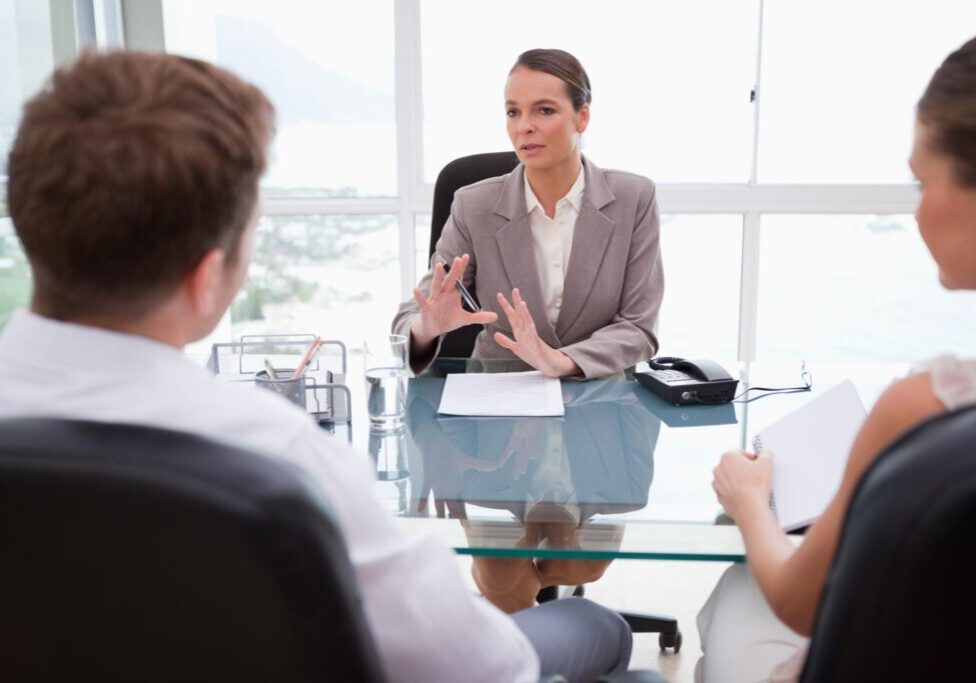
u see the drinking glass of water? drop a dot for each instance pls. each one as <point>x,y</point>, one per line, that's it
<point>386,380</point>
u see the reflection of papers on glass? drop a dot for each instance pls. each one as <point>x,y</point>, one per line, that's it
<point>503,394</point>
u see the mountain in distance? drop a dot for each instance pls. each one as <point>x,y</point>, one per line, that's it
<point>301,89</point>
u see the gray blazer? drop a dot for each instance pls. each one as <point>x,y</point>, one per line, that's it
<point>614,281</point>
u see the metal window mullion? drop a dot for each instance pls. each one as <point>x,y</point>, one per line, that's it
<point>780,198</point>
<point>301,206</point>
<point>409,122</point>
<point>109,32</point>
<point>756,99</point>
<point>35,58</point>
<point>143,25</point>
<point>422,205</point>
<point>64,30</point>
<point>749,286</point>
<point>749,265</point>
<point>674,199</point>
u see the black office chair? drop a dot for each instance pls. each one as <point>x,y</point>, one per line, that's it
<point>900,598</point>
<point>138,554</point>
<point>457,174</point>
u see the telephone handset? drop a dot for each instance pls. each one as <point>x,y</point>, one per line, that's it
<point>680,382</point>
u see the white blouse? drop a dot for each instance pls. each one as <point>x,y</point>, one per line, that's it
<point>552,239</point>
<point>953,380</point>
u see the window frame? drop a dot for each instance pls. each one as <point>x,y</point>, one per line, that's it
<point>139,24</point>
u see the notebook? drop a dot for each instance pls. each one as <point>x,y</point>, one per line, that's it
<point>810,448</point>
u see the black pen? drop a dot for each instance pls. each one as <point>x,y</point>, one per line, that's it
<point>465,294</point>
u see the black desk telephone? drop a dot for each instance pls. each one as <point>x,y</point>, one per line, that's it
<point>680,382</point>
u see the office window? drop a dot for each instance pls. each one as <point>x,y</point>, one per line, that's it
<point>15,279</point>
<point>422,243</point>
<point>11,93</point>
<point>840,81</point>
<point>26,56</point>
<point>328,69</point>
<point>855,288</point>
<point>333,275</point>
<point>671,81</point>
<point>702,260</point>
<point>671,85</point>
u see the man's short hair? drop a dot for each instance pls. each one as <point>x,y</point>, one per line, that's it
<point>127,168</point>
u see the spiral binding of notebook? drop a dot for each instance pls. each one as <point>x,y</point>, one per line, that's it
<point>756,447</point>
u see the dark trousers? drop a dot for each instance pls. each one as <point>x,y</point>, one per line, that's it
<point>577,638</point>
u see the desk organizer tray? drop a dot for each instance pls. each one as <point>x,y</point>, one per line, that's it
<point>327,396</point>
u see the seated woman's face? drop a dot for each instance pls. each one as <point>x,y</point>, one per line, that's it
<point>542,125</point>
<point>946,213</point>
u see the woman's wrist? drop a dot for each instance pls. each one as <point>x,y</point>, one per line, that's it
<point>420,340</point>
<point>563,365</point>
<point>751,509</point>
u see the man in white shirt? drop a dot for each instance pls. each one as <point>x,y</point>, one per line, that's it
<point>133,185</point>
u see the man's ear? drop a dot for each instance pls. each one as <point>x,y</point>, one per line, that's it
<point>203,282</point>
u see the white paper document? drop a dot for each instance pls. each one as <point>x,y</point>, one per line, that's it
<point>810,448</point>
<point>502,394</point>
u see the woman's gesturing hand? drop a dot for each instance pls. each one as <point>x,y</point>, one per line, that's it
<point>527,344</point>
<point>441,310</point>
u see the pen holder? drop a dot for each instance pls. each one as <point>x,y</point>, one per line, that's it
<point>292,389</point>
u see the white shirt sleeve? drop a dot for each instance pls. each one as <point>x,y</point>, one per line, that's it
<point>428,626</point>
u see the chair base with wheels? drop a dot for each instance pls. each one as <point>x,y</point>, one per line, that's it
<point>662,624</point>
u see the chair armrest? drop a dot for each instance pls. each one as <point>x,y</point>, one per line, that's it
<point>637,676</point>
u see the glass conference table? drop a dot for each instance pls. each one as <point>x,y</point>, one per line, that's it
<point>622,475</point>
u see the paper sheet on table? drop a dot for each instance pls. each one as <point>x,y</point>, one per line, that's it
<point>502,394</point>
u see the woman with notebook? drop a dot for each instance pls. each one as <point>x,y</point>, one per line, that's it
<point>753,627</point>
<point>563,256</point>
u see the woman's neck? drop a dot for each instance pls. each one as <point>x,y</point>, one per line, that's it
<point>552,184</point>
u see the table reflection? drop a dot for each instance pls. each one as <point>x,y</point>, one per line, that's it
<point>389,451</point>
<point>462,471</point>
<point>551,474</point>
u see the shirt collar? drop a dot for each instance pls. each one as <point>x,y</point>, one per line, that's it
<point>574,196</point>
<point>36,341</point>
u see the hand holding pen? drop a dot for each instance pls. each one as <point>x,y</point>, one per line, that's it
<point>466,297</point>
<point>441,310</point>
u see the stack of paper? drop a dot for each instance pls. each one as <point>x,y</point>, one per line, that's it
<point>503,394</point>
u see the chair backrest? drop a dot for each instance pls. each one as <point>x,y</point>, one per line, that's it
<point>900,599</point>
<point>137,554</point>
<point>457,174</point>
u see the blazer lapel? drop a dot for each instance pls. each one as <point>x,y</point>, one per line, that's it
<point>590,240</point>
<point>518,252</point>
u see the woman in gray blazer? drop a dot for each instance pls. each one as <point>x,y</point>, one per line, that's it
<point>576,247</point>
